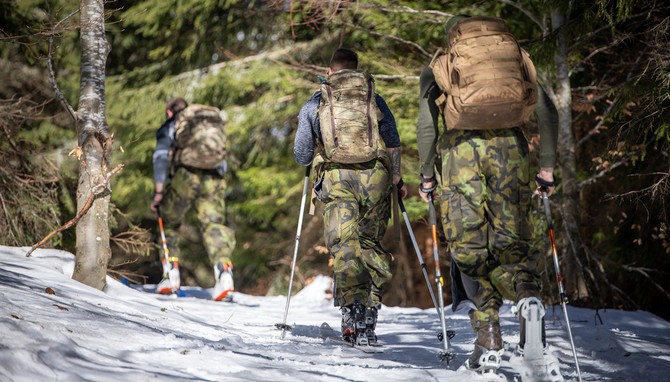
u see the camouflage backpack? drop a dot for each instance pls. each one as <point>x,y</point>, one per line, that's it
<point>200,140</point>
<point>487,80</point>
<point>348,117</point>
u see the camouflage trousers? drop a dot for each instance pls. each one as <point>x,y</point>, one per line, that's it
<point>357,207</point>
<point>205,193</point>
<point>485,202</point>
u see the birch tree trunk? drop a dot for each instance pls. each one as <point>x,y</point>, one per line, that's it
<point>569,205</point>
<point>93,250</point>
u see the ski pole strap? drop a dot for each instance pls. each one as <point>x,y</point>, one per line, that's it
<point>427,190</point>
<point>400,184</point>
<point>543,183</point>
<point>398,188</point>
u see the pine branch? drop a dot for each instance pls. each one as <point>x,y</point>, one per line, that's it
<point>104,190</point>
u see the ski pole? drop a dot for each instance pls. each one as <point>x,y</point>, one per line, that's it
<point>448,354</point>
<point>283,325</point>
<point>559,278</point>
<point>418,252</point>
<point>166,251</point>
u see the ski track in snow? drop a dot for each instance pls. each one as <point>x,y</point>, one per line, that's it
<point>125,334</point>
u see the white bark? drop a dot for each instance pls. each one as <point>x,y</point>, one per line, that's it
<point>93,250</point>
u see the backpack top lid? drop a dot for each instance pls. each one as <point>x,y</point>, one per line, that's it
<point>348,77</point>
<point>459,27</point>
<point>487,80</point>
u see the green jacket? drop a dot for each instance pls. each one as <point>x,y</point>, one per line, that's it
<point>427,127</point>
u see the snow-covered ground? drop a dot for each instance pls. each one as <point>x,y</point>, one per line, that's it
<point>53,328</point>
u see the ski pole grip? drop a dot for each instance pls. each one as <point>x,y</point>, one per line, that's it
<point>398,189</point>
<point>547,210</point>
<point>431,210</point>
<point>307,169</point>
<point>401,204</point>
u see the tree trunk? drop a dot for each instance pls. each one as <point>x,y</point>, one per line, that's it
<point>569,201</point>
<point>93,250</point>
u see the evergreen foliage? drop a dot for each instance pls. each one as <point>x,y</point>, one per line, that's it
<point>258,62</point>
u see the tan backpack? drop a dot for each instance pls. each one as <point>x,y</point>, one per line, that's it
<point>487,80</point>
<point>348,117</point>
<point>200,139</point>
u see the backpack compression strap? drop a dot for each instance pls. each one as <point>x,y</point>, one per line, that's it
<point>332,114</point>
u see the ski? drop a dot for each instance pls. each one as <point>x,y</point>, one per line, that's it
<point>327,333</point>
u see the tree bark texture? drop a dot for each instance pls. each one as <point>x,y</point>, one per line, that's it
<point>93,250</point>
<point>569,207</point>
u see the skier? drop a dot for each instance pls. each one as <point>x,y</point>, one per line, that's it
<point>189,168</point>
<point>485,96</point>
<point>348,134</point>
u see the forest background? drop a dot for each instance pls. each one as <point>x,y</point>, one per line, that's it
<point>604,63</point>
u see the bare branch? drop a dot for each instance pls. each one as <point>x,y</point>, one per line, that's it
<point>104,185</point>
<point>406,9</point>
<point>598,50</point>
<point>528,14</point>
<point>395,77</point>
<point>394,38</point>
<point>624,160</point>
<point>645,272</point>
<point>52,74</point>
<point>10,222</point>
<point>609,109</point>
<point>661,187</point>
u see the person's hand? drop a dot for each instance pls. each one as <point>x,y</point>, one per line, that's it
<point>427,187</point>
<point>156,201</point>
<point>544,180</point>
<point>401,186</point>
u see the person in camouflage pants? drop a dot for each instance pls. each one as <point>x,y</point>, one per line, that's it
<point>191,189</point>
<point>485,200</point>
<point>357,208</point>
<point>205,193</point>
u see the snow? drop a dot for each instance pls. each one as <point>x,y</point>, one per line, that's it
<point>124,334</point>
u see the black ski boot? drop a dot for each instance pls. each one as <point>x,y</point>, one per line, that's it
<point>371,324</point>
<point>353,324</point>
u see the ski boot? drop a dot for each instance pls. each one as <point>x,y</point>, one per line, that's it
<point>353,324</point>
<point>223,273</point>
<point>487,356</point>
<point>371,324</point>
<point>171,278</point>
